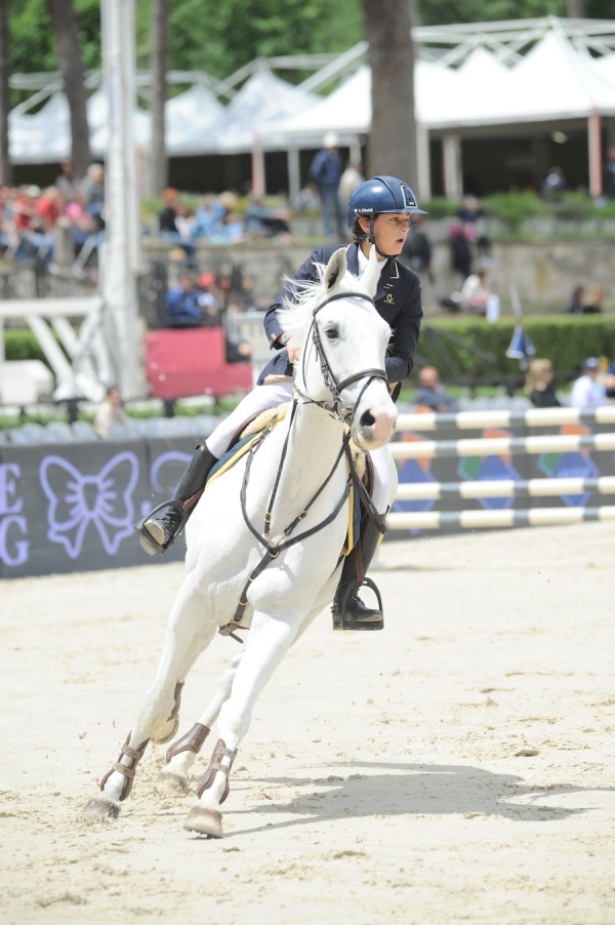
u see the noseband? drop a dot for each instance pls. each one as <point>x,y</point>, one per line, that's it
<point>337,408</point>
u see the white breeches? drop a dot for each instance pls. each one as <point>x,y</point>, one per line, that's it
<point>268,396</point>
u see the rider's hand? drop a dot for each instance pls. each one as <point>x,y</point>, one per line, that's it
<point>293,354</point>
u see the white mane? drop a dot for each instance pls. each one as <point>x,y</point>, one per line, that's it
<point>296,312</point>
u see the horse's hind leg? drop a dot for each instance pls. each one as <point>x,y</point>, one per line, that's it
<point>188,633</point>
<point>267,644</point>
<point>182,753</point>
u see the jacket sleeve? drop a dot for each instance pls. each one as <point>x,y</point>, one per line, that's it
<point>307,270</point>
<point>402,345</point>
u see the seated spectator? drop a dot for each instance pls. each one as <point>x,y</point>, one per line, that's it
<point>110,413</point>
<point>33,241</point>
<point>554,182</point>
<point>83,225</point>
<point>587,392</point>
<point>592,303</point>
<point>264,222</point>
<point>93,191</point>
<point>49,207</point>
<point>539,383</point>
<point>207,301</point>
<point>308,199</point>
<point>182,303</point>
<point>237,350</point>
<point>431,393</point>
<point>475,293</point>
<point>575,306</point>
<point>609,381</point>
<point>167,222</point>
<point>67,182</point>
<point>209,218</point>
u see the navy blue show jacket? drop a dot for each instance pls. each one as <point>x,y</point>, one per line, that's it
<point>397,299</point>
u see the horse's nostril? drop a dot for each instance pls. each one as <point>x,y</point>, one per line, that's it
<point>367,419</point>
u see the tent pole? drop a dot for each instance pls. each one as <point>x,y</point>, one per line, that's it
<point>294,174</point>
<point>258,164</point>
<point>595,154</point>
<point>453,182</point>
<point>423,179</point>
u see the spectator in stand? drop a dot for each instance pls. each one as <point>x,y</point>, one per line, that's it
<point>587,392</point>
<point>609,381</point>
<point>67,182</point>
<point>83,225</point>
<point>110,413</point>
<point>209,218</point>
<point>431,393</point>
<point>326,171</point>
<point>592,303</point>
<point>475,293</point>
<point>539,383</point>
<point>49,207</point>
<point>554,183</point>
<point>262,221</point>
<point>608,183</point>
<point>208,302</point>
<point>575,306</point>
<point>182,302</point>
<point>167,223</point>
<point>349,181</point>
<point>308,199</point>
<point>460,238</point>
<point>237,350</point>
<point>93,191</point>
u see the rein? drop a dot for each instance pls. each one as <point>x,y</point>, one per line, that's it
<point>341,412</point>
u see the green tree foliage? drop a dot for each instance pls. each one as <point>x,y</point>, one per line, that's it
<point>221,35</point>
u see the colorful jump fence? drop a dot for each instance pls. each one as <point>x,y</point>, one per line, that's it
<point>477,480</point>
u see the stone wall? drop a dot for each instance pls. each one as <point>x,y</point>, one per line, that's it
<point>544,272</point>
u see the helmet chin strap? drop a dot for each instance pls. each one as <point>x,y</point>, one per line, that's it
<point>371,238</point>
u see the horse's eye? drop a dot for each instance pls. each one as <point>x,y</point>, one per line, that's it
<point>332,332</point>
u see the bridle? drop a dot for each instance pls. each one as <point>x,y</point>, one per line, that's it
<point>337,408</point>
<point>341,412</point>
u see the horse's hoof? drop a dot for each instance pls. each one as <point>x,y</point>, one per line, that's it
<point>170,784</point>
<point>166,737</point>
<point>101,808</point>
<point>204,821</point>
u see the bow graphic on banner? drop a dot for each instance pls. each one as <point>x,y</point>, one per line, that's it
<point>77,500</point>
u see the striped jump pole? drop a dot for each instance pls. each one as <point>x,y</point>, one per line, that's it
<point>540,516</point>
<point>532,417</point>
<point>505,488</point>
<point>501,446</point>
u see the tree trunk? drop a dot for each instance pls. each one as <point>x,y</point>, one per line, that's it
<point>66,29</point>
<point>6,168</point>
<point>158,66</point>
<point>392,141</point>
<point>576,9</point>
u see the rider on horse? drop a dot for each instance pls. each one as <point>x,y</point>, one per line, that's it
<point>378,215</point>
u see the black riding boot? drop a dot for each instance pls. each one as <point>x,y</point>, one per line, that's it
<point>349,611</point>
<point>157,533</point>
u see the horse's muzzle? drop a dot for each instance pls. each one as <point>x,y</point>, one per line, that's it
<point>375,427</point>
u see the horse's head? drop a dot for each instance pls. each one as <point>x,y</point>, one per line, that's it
<point>343,341</point>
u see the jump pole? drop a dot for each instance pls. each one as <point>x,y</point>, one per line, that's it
<point>434,520</point>
<point>501,446</point>
<point>533,417</point>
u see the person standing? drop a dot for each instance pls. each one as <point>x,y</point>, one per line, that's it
<point>378,215</point>
<point>539,383</point>
<point>587,392</point>
<point>110,413</point>
<point>326,171</point>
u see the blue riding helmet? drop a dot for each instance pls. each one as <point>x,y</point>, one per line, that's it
<point>382,194</point>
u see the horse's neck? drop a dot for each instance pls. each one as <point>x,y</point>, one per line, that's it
<point>313,447</point>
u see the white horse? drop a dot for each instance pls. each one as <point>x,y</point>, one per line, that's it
<point>264,541</point>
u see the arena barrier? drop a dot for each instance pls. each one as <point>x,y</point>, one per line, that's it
<point>500,463</point>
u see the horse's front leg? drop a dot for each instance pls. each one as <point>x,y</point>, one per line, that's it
<point>268,642</point>
<point>181,755</point>
<point>188,633</point>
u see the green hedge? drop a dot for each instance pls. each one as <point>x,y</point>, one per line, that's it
<point>21,344</point>
<point>565,340</point>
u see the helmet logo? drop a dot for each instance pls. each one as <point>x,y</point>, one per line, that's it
<point>409,200</point>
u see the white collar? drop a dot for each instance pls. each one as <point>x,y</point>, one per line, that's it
<point>363,260</point>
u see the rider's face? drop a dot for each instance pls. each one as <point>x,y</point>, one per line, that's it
<point>391,231</point>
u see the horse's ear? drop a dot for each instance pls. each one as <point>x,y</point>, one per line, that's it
<point>371,274</point>
<point>335,268</point>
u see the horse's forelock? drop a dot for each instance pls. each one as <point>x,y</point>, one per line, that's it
<point>296,311</point>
